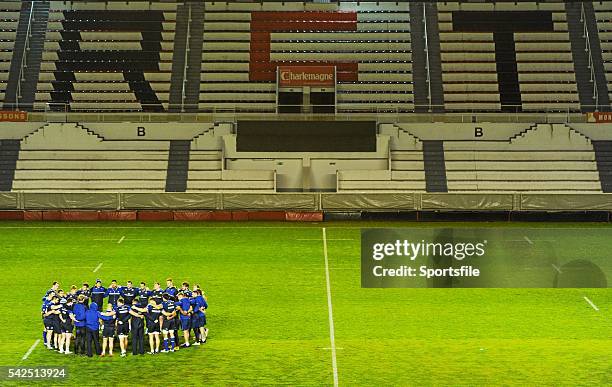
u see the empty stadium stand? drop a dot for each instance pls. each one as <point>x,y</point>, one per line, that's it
<point>101,56</point>
<point>603,18</point>
<point>541,158</point>
<point>530,56</point>
<point>507,56</point>
<point>369,43</point>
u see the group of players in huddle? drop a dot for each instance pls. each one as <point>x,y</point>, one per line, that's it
<point>164,310</point>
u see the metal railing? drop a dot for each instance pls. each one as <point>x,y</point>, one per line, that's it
<point>187,42</point>
<point>427,68</point>
<point>383,113</point>
<point>24,64</point>
<point>591,62</point>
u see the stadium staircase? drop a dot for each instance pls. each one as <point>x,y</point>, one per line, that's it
<point>603,157</point>
<point>27,52</point>
<point>580,56</point>
<point>435,168</point>
<point>187,58</point>
<point>178,59</point>
<point>9,153</point>
<point>178,166</point>
<point>435,61</point>
<point>426,64</point>
<point>507,72</point>
<point>419,58</point>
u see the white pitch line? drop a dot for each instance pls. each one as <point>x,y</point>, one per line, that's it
<point>97,267</point>
<point>557,268</point>
<point>332,337</point>
<point>30,350</point>
<point>330,239</point>
<point>528,240</point>
<point>591,303</point>
<point>121,240</point>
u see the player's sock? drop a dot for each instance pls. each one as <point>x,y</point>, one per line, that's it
<point>166,344</point>
<point>44,336</point>
<point>172,342</point>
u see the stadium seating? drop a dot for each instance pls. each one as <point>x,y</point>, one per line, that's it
<point>473,62</point>
<point>603,15</point>
<point>69,158</point>
<point>103,56</point>
<point>8,31</point>
<point>542,158</point>
<point>207,173</point>
<point>240,55</point>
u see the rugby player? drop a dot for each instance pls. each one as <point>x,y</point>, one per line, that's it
<point>108,319</point>
<point>169,318</point>
<point>185,309</point>
<point>123,325</point>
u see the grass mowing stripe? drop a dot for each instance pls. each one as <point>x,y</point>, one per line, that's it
<point>591,303</point>
<point>332,338</point>
<point>31,349</point>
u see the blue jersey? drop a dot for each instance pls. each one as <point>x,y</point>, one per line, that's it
<point>171,291</point>
<point>44,305</point>
<point>106,320</point>
<point>142,296</point>
<point>200,303</point>
<point>169,307</point>
<point>123,313</point>
<point>113,295</point>
<point>98,294</point>
<point>157,294</point>
<point>184,305</point>
<point>153,314</point>
<point>128,294</point>
<point>66,313</point>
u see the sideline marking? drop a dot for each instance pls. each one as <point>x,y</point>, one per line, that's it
<point>121,240</point>
<point>591,303</point>
<point>557,268</point>
<point>97,267</point>
<point>332,338</point>
<point>329,239</point>
<point>31,349</point>
<point>528,240</point>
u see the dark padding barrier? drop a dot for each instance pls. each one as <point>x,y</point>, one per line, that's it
<point>193,215</point>
<point>240,215</point>
<point>155,215</point>
<point>306,136</point>
<point>11,215</point>
<point>221,215</point>
<point>79,216</point>
<point>267,215</point>
<point>33,216</point>
<point>293,216</point>
<point>52,215</point>
<point>117,215</point>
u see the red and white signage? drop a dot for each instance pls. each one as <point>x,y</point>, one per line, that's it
<point>599,117</point>
<point>289,76</point>
<point>13,116</point>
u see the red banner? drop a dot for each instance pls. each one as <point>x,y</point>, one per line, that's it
<point>13,116</point>
<point>306,76</point>
<point>599,117</point>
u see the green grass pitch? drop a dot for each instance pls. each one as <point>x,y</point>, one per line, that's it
<point>268,315</point>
